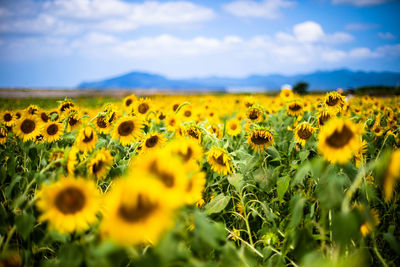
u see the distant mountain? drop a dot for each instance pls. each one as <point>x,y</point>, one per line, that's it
<point>320,80</point>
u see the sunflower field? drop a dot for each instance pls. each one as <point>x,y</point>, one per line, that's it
<point>208,180</point>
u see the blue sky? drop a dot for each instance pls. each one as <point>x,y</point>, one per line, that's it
<point>60,43</point>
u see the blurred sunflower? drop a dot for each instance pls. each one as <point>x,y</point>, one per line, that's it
<point>187,149</point>
<point>339,140</point>
<point>69,204</point>
<point>86,139</point>
<point>72,159</point>
<point>126,130</point>
<point>233,127</point>
<point>73,120</point>
<point>56,154</point>
<point>142,106</point>
<point>53,131</point>
<point>219,160</point>
<point>153,141</point>
<point>172,122</point>
<point>303,132</point>
<point>44,116</point>
<point>136,212</point>
<point>102,125</point>
<point>359,156</point>
<point>195,187</point>
<point>128,101</point>
<point>286,94</point>
<point>370,223</point>
<point>255,113</point>
<point>8,118</point>
<point>322,117</point>
<point>392,175</point>
<point>32,110</point>
<point>294,108</point>
<point>193,131</point>
<point>215,129</point>
<point>3,135</point>
<point>28,127</point>
<point>334,102</point>
<point>260,139</point>
<point>65,105</point>
<point>100,163</point>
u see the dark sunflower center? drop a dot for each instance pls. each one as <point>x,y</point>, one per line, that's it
<point>126,128</point>
<point>332,101</point>
<point>7,117</point>
<point>39,138</point>
<point>340,138</point>
<point>220,160</point>
<point>44,117</point>
<point>188,155</point>
<point>253,115</point>
<point>377,130</point>
<point>304,133</point>
<point>101,123</point>
<point>295,107</point>
<point>143,108</point>
<point>175,107</point>
<point>323,118</point>
<point>112,118</point>
<point>260,140</point>
<point>233,126</point>
<point>89,138</point>
<point>140,211</point>
<point>152,141</point>
<point>72,121</point>
<point>193,133</point>
<point>97,166</point>
<point>66,106</point>
<point>248,105</point>
<point>187,113</point>
<point>18,115</point>
<point>28,126</point>
<point>52,129</point>
<point>172,122</point>
<point>70,200</point>
<point>128,102</point>
<point>161,116</point>
<point>166,178</point>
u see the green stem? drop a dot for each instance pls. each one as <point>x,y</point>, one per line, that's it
<point>244,242</point>
<point>10,234</point>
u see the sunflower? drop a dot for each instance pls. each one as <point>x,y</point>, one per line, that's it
<point>153,141</point>
<point>323,116</point>
<point>186,113</point>
<point>56,154</point>
<point>126,130</point>
<point>72,159</point>
<point>44,116</point>
<point>136,212</point>
<point>359,156</point>
<point>128,101</point>
<point>370,222</point>
<point>193,131</point>
<point>102,125</point>
<point>260,139</point>
<point>86,139</point>
<point>65,105</point>
<point>188,150</point>
<point>392,175</point>
<point>53,131</point>
<point>3,135</point>
<point>195,187</point>
<point>294,108</point>
<point>69,204</point>
<point>334,102</point>
<point>303,132</point>
<point>172,122</point>
<point>215,129</point>
<point>286,94</point>
<point>28,127</point>
<point>233,127</point>
<point>255,113</point>
<point>100,163</point>
<point>8,118</point>
<point>142,106</point>
<point>32,110</point>
<point>219,160</point>
<point>249,101</point>
<point>339,139</point>
<point>73,119</point>
<point>54,115</point>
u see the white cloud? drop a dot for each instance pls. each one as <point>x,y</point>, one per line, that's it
<point>361,3</point>
<point>270,9</point>
<point>308,31</point>
<point>386,36</point>
<point>361,26</point>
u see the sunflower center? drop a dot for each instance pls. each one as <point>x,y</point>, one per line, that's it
<point>140,211</point>
<point>187,113</point>
<point>52,129</point>
<point>166,178</point>
<point>70,200</point>
<point>332,101</point>
<point>101,123</point>
<point>27,126</point>
<point>97,166</point>
<point>340,138</point>
<point>253,115</point>
<point>161,116</point>
<point>304,133</point>
<point>72,121</point>
<point>126,128</point>
<point>323,118</point>
<point>193,133</point>
<point>172,122</point>
<point>89,138</point>
<point>295,107</point>
<point>18,115</point>
<point>175,107</point>
<point>152,141</point>
<point>44,117</point>
<point>66,106</point>
<point>220,160</point>
<point>128,102</point>
<point>233,127</point>
<point>260,140</point>
<point>188,155</point>
<point>7,117</point>
<point>377,130</point>
<point>143,108</point>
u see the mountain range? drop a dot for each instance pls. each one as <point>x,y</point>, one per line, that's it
<point>319,80</point>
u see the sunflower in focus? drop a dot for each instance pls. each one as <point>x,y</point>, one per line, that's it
<point>142,106</point>
<point>334,102</point>
<point>136,212</point>
<point>3,135</point>
<point>53,131</point>
<point>28,127</point>
<point>260,139</point>
<point>126,130</point>
<point>153,141</point>
<point>303,132</point>
<point>8,118</point>
<point>392,175</point>
<point>219,160</point>
<point>86,139</point>
<point>128,101</point>
<point>100,163</point>
<point>102,124</point>
<point>233,127</point>
<point>69,204</point>
<point>339,139</point>
<point>294,108</point>
<point>255,113</point>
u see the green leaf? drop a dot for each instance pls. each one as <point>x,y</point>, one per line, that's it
<point>217,204</point>
<point>70,255</point>
<point>25,223</point>
<point>236,180</point>
<point>282,186</point>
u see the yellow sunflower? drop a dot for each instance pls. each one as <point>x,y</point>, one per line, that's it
<point>8,118</point>
<point>86,139</point>
<point>339,139</point>
<point>392,175</point>
<point>260,139</point>
<point>187,149</point>
<point>255,113</point>
<point>73,119</point>
<point>56,154</point>
<point>233,127</point>
<point>136,212</point>
<point>126,130</point>
<point>195,187</point>
<point>65,105</point>
<point>303,132</point>
<point>100,163</point>
<point>323,116</point>
<point>172,122</point>
<point>215,129</point>
<point>286,94</point>
<point>142,106</point>
<point>69,204</point>
<point>28,127</point>
<point>219,160</point>
<point>359,156</point>
<point>128,101</point>
<point>193,131</point>
<point>44,116</point>
<point>153,141</point>
<point>334,102</point>
<point>72,159</point>
<point>32,110</point>
<point>53,131</point>
<point>294,108</point>
<point>371,222</point>
<point>3,135</point>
